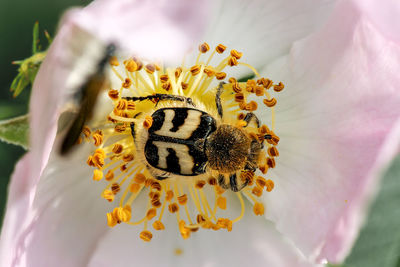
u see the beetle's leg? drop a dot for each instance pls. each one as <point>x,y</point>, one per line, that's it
<point>249,117</point>
<point>220,89</point>
<point>133,130</point>
<point>221,182</point>
<point>161,97</point>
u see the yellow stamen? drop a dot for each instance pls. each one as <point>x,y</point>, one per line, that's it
<point>120,158</point>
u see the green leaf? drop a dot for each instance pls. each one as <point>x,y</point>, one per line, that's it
<point>15,131</point>
<point>35,34</point>
<point>29,67</point>
<point>379,242</point>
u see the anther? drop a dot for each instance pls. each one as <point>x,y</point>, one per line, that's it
<point>122,104</point>
<point>271,162</point>
<point>148,122</point>
<point>146,236</point>
<point>86,131</point>
<point>97,175</point>
<point>119,128</point>
<point>111,221</point>
<point>263,129</point>
<point>131,105</point>
<point>178,72</point>
<point>131,65</point>
<point>139,178</point>
<point>232,80</point>
<point>90,162</point>
<point>164,78</point>
<point>258,209</point>
<point>200,218</point>
<point>113,94</point>
<point>166,86</point>
<point>109,175</point>
<point>239,97</point>
<point>204,47</point>
<point>138,62</point>
<point>200,184</point>
<point>261,182</point>
<point>279,87</point>
<point>117,148</point>
<point>236,54</point>
<point>270,102</point>
<point>123,168</point>
<point>169,195</point>
<point>98,137</point>
<point>209,71</point>
<point>108,195</point>
<point>173,207</point>
<point>241,116</point>
<point>156,203</point>
<point>115,188</point>
<point>267,83</point>
<point>212,181</point>
<point>195,70</point>
<point>219,190</point>
<point>221,203</point>
<point>154,195</point>
<point>236,87</point>
<point>263,169</point>
<point>185,232</point>
<point>122,214</point>
<point>150,68</point>
<point>184,85</point>
<point>252,106</point>
<point>134,188</point>
<point>270,185</point>
<point>274,140</point>
<point>183,199</point>
<point>232,61</point>
<point>97,160</point>
<point>257,191</point>
<point>114,61</point>
<point>273,152</point>
<point>156,185</point>
<point>151,213</point>
<point>220,75</point>
<point>259,91</point>
<point>158,225</point>
<point>127,83</point>
<point>220,48</point>
<point>128,157</point>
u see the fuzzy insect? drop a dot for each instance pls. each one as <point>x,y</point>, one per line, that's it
<point>187,141</point>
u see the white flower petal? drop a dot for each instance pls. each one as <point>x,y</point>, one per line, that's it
<point>265,30</point>
<point>253,241</point>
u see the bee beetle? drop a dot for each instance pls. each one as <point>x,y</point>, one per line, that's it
<point>188,142</point>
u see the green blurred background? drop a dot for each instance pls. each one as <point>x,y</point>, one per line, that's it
<point>16,23</point>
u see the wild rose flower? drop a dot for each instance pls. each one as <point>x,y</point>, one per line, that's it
<point>336,120</point>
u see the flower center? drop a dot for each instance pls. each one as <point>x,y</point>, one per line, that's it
<point>184,141</point>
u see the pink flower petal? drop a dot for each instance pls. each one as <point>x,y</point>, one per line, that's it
<point>53,87</point>
<point>68,217</point>
<point>156,29</point>
<point>336,119</point>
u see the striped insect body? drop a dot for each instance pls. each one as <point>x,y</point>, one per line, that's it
<point>176,139</point>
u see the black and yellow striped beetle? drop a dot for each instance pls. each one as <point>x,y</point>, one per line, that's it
<point>185,141</point>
